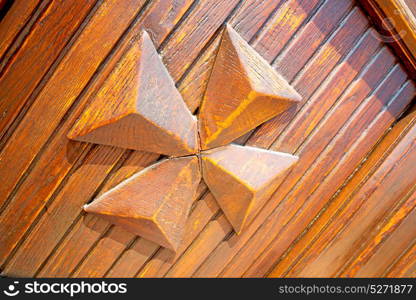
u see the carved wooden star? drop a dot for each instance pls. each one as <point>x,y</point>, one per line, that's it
<point>138,107</point>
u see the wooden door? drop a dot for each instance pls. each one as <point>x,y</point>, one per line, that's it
<point>349,198</point>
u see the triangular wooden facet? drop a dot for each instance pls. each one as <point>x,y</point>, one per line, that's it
<point>153,203</point>
<point>243,178</point>
<point>243,92</point>
<point>138,107</point>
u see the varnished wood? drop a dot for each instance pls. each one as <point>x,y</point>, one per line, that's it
<point>106,121</point>
<point>376,203</point>
<point>15,19</point>
<point>153,203</point>
<point>243,92</point>
<point>396,21</point>
<point>323,48</point>
<point>295,189</point>
<point>242,179</point>
<point>139,108</point>
<point>63,153</point>
<point>35,56</point>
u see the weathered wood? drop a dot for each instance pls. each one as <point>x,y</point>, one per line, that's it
<point>247,20</point>
<point>35,57</point>
<point>186,43</point>
<point>306,158</point>
<point>242,179</point>
<point>19,13</point>
<point>406,265</point>
<point>139,107</point>
<point>351,100</point>
<point>105,122</point>
<point>283,25</point>
<point>116,239</point>
<point>310,37</point>
<point>200,249</point>
<point>377,203</point>
<point>60,155</point>
<point>319,66</point>
<point>254,93</point>
<point>47,180</point>
<point>336,225</point>
<point>157,15</point>
<point>67,82</point>
<point>225,252</point>
<point>397,24</point>
<point>397,233</point>
<point>233,245</point>
<point>373,120</point>
<point>338,208</point>
<point>89,228</point>
<point>192,88</point>
<point>153,203</point>
<point>61,211</point>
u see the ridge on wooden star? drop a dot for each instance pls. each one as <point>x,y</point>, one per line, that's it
<point>243,178</point>
<point>153,203</point>
<point>138,107</point>
<point>243,92</point>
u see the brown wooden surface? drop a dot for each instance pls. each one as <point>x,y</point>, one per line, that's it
<point>396,22</point>
<point>371,223</point>
<point>353,89</point>
<point>14,21</point>
<point>243,178</point>
<point>243,91</point>
<point>139,107</point>
<point>55,26</point>
<point>153,203</point>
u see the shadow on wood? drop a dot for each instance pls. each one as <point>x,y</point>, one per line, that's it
<point>242,179</point>
<point>243,92</point>
<point>139,107</point>
<point>153,203</point>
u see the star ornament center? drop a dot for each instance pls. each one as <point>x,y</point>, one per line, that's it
<point>138,107</point>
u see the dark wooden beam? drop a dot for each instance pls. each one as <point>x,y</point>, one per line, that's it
<point>396,24</point>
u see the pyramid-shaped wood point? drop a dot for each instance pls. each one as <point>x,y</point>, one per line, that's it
<point>138,107</point>
<point>153,203</point>
<point>243,92</point>
<point>243,178</point>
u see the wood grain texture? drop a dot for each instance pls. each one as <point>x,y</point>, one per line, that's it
<point>145,86</point>
<point>399,22</point>
<point>373,203</point>
<point>139,107</point>
<point>242,189</point>
<point>254,93</point>
<point>371,211</point>
<point>334,211</point>
<point>65,86</point>
<point>362,88</point>
<point>226,250</point>
<point>397,234</point>
<point>326,189</point>
<point>36,56</point>
<point>17,16</point>
<point>406,265</point>
<point>154,12</point>
<point>247,21</point>
<point>396,24</point>
<point>207,207</point>
<point>153,203</point>
<point>88,229</point>
<point>347,164</point>
<point>323,48</point>
<point>320,65</point>
<point>64,153</point>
